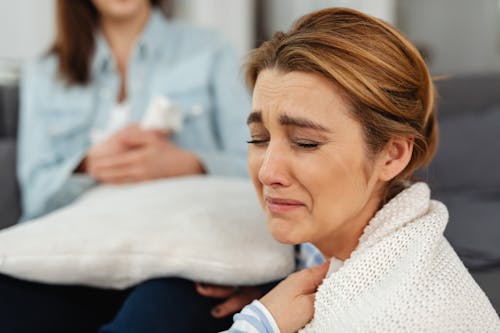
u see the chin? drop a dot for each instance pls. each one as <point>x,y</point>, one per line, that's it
<point>123,13</point>
<point>123,9</point>
<point>285,231</point>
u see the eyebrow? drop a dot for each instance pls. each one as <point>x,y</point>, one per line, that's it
<point>286,120</point>
<point>254,117</point>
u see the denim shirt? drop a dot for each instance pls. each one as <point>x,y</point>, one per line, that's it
<point>196,69</point>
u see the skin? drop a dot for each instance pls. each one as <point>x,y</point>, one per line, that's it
<point>291,302</point>
<point>132,154</point>
<point>314,177</point>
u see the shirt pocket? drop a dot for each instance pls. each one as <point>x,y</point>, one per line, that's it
<point>194,102</point>
<point>187,84</point>
<point>198,131</point>
<point>68,127</point>
<point>67,109</point>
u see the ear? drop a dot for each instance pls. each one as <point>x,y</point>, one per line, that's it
<point>395,157</point>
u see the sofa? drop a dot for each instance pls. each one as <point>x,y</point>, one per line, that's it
<point>10,206</point>
<point>465,173</point>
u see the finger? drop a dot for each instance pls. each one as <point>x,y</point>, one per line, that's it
<point>307,301</point>
<point>109,147</point>
<point>118,170</point>
<point>233,304</point>
<point>163,134</point>
<point>309,279</point>
<point>123,160</point>
<point>126,131</point>
<point>306,306</point>
<point>142,138</point>
<point>214,291</point>
<point>118,176</point>
<point>130,129</point>
<point>135,129</point>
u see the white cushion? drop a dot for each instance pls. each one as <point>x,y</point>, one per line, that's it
<point>202,228</point>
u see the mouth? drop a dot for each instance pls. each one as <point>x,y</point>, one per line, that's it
<point>282,205</point>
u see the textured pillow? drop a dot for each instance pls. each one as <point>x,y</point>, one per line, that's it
<point>202,228</point>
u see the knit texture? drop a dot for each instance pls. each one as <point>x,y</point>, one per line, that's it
<point>403,277</point>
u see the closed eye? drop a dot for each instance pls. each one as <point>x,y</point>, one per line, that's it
<point>307,145</point>
<point>258,142</point>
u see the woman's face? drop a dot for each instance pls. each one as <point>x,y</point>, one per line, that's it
<point>309,163</point>
<point>120,9</point>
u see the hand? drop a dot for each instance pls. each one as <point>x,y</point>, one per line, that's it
<point>291,302</point>
<point>148,155</point>
<point>117,143</point>
<point>236,298</point>
<point>112,146</point>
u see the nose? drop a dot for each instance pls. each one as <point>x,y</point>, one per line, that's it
<point>274,170</point>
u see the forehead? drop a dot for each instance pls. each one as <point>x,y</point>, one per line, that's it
<point>297,92</point>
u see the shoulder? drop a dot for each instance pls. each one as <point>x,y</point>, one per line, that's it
<point>42,70</point>
<point>188,38</point>
<point>196,33</point>
<point>44,65</point>
<point>41,86</point>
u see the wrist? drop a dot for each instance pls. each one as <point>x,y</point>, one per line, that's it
<point>268,318</point>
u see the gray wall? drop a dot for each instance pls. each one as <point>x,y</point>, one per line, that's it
<point>26,31</point>
<point>280,14</point>
<point>26,28</point>
<point>461,36</point>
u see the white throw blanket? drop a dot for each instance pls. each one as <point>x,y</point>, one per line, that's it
<point>403,277</point>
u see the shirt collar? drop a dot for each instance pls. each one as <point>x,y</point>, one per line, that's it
<point>156,27</point>
<point>102,54</point>
<point>335,265</point>
<point>146,45</point>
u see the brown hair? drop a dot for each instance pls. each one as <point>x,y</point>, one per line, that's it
<point>384,76</point>
<point>76,23</point>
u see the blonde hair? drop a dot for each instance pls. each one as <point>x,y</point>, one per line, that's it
<point>383,75</point>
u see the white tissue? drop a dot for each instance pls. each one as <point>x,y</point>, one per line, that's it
<point>162,114</point>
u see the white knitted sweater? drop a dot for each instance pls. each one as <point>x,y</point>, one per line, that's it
<point>403,277</point>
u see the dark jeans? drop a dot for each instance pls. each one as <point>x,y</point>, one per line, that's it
<point>161,305</point>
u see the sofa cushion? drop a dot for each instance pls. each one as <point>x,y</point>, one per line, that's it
<point>467,93</point>
<point>10,210</point>
<point>9,109</point>
<point>9,192</point>
<point>488,281</point>
<point>465,176</point>
<point>468,155</point>
<point>474,229</point>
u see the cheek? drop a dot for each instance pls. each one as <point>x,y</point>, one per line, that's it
<point>254,164</point>
<point>336,183</point>
<point>345,168</point>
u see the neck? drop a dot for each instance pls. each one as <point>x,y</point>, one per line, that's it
<point>122,33</point>
<point>342,242</point>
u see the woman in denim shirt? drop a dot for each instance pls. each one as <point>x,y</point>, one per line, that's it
<point>69,97</point>
<point>79,105</point>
